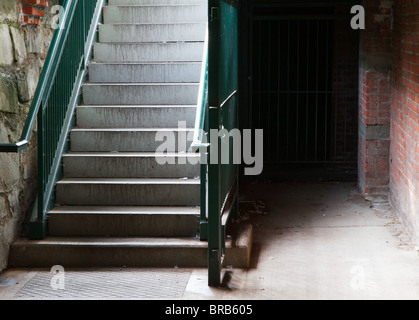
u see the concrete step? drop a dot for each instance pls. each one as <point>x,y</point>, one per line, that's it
<point>94,252</point>
<point>131,140</point>
<point>128,192</point>
<point>163,13</point>
<point>153,2</point>
<point>130,165</point>
<point>141,94</point>
<point>135,116</point>
<point>145,72</point>
<point>124,221</point>
<point>129,33</point>
<point>143,52</point>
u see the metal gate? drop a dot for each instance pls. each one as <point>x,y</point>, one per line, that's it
<point>303,84</point>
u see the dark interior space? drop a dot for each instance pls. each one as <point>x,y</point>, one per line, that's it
<point>302,90</point>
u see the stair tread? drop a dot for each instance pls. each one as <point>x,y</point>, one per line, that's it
<point>129,154</point>
<point>157,5</point>
<point>133,129</point>
<point>125,210</point>
<point>129,181</point>
<point>114,242</point>
<point>164,106</point>
<point>144,43</point>
<point>142,84</point>
<point>153,23</point>
<point>147,63</point>
<point>241,237</point>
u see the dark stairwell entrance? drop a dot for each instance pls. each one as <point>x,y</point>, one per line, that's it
<point>301,74</point>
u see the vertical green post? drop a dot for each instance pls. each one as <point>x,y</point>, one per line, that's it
<point>203,227</point>
<point>214,218</point>
<point>214,222</point>
<point>37,228</point>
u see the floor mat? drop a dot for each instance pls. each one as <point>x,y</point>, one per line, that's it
<point>125,284</point>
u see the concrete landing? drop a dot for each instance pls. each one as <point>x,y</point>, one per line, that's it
<point>310,241</point>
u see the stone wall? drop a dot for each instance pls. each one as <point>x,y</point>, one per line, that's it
<point>23,48</point>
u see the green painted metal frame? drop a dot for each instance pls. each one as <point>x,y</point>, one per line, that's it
<point>56,116</point>
<point>223,114</point>
<point>55,99</point>
<point>218,108</point>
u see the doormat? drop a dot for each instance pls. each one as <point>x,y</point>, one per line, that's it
<point>125,284</point>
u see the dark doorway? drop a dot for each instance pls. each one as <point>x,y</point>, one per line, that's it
<point>302,89</point>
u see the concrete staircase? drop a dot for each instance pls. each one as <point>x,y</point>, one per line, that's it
<point>116,205</point>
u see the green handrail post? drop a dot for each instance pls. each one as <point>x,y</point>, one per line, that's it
<point>214,219</point>
<point>214,222</point>
<point>223,114</point>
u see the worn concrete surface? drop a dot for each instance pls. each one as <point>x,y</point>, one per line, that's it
<point>311,241</point>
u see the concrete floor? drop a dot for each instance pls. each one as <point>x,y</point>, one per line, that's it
<point>311,241</point>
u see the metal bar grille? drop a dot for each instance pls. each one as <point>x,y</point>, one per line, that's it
<point>303,88</point>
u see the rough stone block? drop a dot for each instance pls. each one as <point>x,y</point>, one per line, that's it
<point>19,44</point>
<point>32,79</point>
<point>6,46</point>
<point>8,10</point>
<point>37,40</point>
<point>33,39</point>
<point>8,95</point>
<point>27,84</point>
<point>14,203</point>
<point>9,172</point>
<point>3,208</point>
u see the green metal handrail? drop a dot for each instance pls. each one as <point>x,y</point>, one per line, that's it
<point>44,81</point>
<point>217,108</point>
<point>200,139</point>
<point>55,99</point>
<point>56,115</point>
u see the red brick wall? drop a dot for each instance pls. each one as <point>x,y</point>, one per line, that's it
<point>375,98</point>
<point>404,151</point>
<point>345,85</point>
<point>31,11</point>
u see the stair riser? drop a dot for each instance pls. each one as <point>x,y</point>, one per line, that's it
<point>127,167</point>
<point>155,14</point>
<point>95,257</point>
<point>123,141</point>
<point>182,94</point>
<point>143,73</point>
<point>118,33</point>
<point>142,117</point>
<point>129,252</point>
<point>128,194</point>
<point>117,225</point>
<point>157,52</point>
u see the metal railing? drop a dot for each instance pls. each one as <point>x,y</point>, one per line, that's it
<point>200,140</point>
<point>55,99</point>
<point>217,108</point>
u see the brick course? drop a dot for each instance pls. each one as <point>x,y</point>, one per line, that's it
<point>31,11</point>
